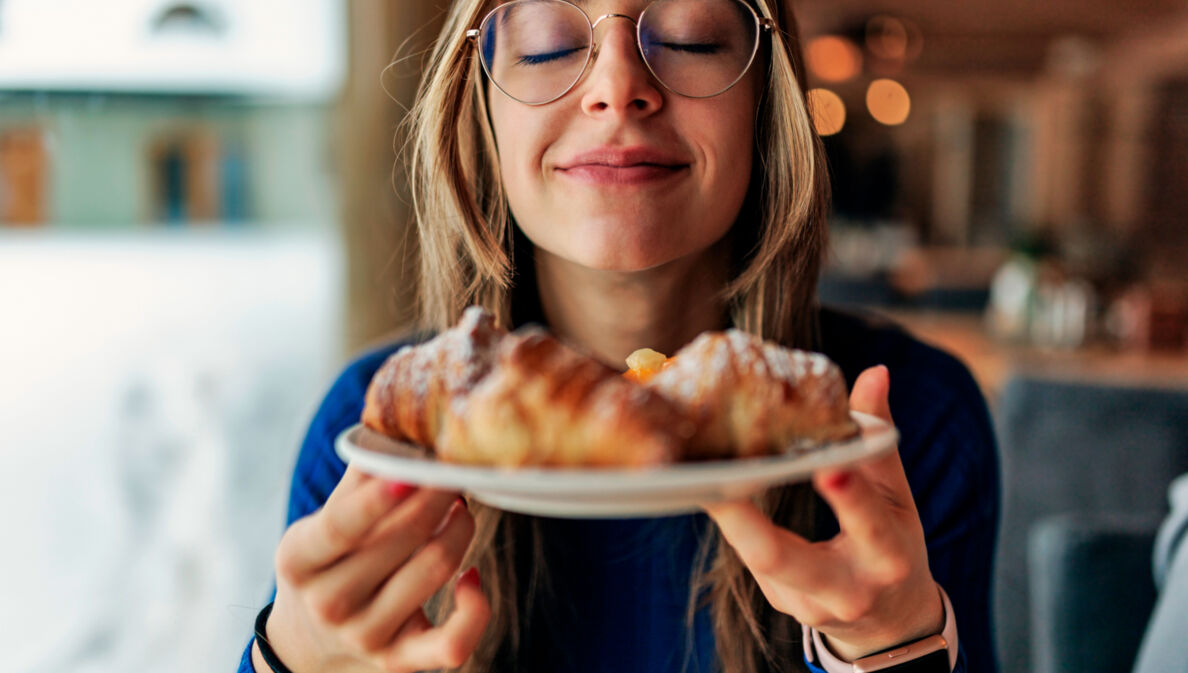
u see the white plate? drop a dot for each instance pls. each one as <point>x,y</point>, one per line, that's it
<point>609,492</point>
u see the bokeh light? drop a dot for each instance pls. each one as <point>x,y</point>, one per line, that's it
<point>887,37</point>
<point>833,58</point>
<point>828,111</point>
<point>888,102</point>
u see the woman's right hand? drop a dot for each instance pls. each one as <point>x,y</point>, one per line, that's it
<point>352,577</point>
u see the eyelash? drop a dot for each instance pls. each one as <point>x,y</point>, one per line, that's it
<point>692,48</point>
<point>538,59</point>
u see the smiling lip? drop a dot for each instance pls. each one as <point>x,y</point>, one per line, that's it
<point>622,166</point>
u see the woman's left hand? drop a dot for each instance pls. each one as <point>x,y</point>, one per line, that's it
<point>869,587</point>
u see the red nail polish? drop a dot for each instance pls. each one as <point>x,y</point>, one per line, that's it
<point>472,578</point>
<point>400,491</point>
<point>838,481</point>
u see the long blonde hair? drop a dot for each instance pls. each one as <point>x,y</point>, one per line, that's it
<point>467,245</point>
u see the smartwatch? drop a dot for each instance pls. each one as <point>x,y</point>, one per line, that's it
<point>933,654</point>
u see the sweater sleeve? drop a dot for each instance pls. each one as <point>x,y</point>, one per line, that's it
<point>245,662</point>
<point>951,461</point>
<point>950,457</point>
<point>319,468</point>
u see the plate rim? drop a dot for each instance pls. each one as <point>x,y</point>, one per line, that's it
<point>877,436</point>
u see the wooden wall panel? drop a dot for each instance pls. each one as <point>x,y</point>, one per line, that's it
<point>377,220</point>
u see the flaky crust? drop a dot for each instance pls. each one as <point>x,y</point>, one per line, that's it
<point>411,392</point>
<point>749,397</point>
<point>476,394</point>
<point>546,404</point>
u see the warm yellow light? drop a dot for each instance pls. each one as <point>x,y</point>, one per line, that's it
<point>834,59</point>
<point>888,102</point>
<point>828,111</point>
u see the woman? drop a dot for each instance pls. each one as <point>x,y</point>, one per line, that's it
<point>631,174</point>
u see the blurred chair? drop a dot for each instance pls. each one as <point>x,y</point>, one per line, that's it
<point>1091,591</point>
<point>1088,452</point>
<point>1095,603</point>
<point>1164,648</point>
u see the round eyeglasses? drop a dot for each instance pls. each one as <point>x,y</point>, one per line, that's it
<point>536,51</point>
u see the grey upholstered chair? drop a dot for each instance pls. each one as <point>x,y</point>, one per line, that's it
<point>1087,452</point>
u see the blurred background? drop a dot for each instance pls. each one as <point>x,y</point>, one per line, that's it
<point>201,221</point>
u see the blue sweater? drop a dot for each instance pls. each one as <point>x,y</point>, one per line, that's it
<point>626,581</point>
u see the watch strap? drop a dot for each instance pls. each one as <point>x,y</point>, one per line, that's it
<point>818,654</point>
<point>266,650</point>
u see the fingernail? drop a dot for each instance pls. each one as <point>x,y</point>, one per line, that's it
<point>399,490</point>
<point>472,578</point>
<point>838,481</point>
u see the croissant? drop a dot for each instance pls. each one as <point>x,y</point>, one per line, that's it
<point>749,397</point>
<point>411,392</point>
<point>546,404</point>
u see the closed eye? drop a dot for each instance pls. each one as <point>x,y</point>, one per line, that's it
<point>538,59</point>
<point>692,47</point>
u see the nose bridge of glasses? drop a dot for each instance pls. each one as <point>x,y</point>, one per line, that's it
<point>604,17</point>
<point>595,47</point>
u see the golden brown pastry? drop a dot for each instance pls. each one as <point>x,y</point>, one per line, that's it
<point>546,404</point>
<point>750,397</point>
<point>476,394</point>
<point>411,392</point>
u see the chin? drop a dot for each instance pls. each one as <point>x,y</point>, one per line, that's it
<point>624,258</point>
<point>624,249</point>
<point>612,245</point>
<point>622,264</point>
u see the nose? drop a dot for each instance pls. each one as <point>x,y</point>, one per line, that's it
<point>619,84</point>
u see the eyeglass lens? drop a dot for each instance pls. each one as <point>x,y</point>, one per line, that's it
<point>536,50</point>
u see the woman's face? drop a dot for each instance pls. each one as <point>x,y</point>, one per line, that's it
<point>620,173</point>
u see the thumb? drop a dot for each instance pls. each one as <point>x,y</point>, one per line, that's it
<point>869,394</point>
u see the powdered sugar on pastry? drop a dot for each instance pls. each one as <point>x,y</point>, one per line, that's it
<point>477,394</point>
<point>750,397</point>
<point>547,404</point>
<point>410,393</point>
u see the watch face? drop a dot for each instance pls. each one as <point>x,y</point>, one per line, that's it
<point>936,661</point>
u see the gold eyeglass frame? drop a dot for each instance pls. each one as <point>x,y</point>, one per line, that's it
<point>762,25</point>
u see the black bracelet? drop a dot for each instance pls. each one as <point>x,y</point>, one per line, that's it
<point>270,657</point>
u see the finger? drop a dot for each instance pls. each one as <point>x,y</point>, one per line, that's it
<point>324,537</point>
<point>406,590</point>
<point>870,393</point>
<point>870,499</point>
<point>341,590</point>
<point>393,660</point>
<point>428,507</point>
<point>769,550</point>
<point>353,477</point>
<point>452,643</point>
<point>862,511</point>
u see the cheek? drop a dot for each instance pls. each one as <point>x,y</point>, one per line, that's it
<point>520,137</point>
<point>508,138</point>
<point>732,147</point>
